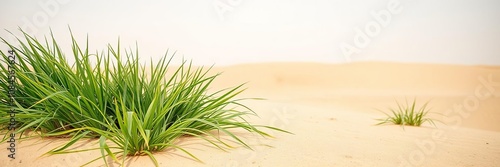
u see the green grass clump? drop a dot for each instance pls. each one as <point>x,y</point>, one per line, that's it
<point>111,96</point>
<point>407,115</point>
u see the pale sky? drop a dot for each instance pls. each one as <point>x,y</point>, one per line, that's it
<point>225,32</point>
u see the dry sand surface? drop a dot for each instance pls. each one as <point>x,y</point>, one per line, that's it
<point>331,109</point>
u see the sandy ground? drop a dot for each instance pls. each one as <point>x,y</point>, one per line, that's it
<point>331,109</point>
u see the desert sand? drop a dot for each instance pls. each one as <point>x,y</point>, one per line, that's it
<point>332,111</point>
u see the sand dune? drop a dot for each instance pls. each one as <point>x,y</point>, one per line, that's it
<point>331,108</point>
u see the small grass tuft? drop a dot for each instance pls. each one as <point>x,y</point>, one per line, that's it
<point>407,115</point>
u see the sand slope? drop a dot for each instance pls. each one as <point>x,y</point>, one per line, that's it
<point>331,109</point>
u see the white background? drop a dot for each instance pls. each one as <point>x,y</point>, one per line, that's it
<point>225,32</point>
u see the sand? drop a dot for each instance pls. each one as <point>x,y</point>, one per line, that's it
<point>331,109</point>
